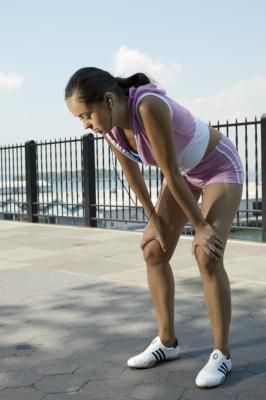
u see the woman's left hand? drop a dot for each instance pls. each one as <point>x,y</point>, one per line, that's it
<point>211,243</point>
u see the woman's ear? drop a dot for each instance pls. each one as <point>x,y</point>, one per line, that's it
<point>109,103</point>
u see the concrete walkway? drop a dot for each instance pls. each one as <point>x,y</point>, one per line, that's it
<point>74,306</point>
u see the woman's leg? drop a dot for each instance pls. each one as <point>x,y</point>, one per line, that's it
<point>159,272</point>
<point>219,205</point>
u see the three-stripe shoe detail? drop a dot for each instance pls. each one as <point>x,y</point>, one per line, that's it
<point>159,355</point>
<point>155,353</point>
<point>223,368</point>
<point>215,371</point>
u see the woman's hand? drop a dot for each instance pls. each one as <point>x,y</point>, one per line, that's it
<point>154,231</point>
<point>210,242</point>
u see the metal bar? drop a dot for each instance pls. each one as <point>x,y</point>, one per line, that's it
<point>246,169</point>
<point>10,147</point>
<point>109,178</point>
<point>149,180</point>
<point>157,182</point>
<point>13,178</point>
<point>22,150</point>
<point>123,196</point>
<point>129,200</point>
<point>37,173</point>
<point>263,174</point>
<point>76,172</point>
<point>256,165</point>
<point>61,168</point>
<point>236,134</point>
<point>2,181</point>
<point>71,175</point>
<point>31,182</point>
<point>66,175</point>
<point>97,170</point>
<point>234,124</point>
<point>116,186</point>
<point>55,176</point>
<point>89,180</point>
<point>46,168</point>
<point>136,205</point>
<point>40,150</point>
<point>9,177</point>
<point>51,173</point>
<point>5,173</point>
<point>103,179</point>
<point>143,172</point>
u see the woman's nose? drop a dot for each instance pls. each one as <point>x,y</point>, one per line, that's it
<point>87,125</point>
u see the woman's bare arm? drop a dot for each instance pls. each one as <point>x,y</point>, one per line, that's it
<point>134,178</point>
<point>157,122</point>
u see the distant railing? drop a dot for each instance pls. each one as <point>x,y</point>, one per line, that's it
<point>73,182</point>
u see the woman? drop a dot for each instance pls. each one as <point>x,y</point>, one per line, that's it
<point>142,124</point>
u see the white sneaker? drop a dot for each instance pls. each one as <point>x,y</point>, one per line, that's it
<point>215,371</point>
<point>155,352</point>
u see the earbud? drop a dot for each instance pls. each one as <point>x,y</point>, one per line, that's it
<point>109,103</point>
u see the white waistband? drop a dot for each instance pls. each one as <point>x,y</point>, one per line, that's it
<point>193,153</point>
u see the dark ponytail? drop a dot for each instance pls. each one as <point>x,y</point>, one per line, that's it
<point>135,80</point>
<point>90,84</point>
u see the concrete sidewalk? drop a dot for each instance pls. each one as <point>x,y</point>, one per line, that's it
<point>74,306</point>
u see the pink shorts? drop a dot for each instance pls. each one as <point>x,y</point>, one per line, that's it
<point>222,164</point>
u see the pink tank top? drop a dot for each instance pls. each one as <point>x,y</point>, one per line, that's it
<point>184,126</point>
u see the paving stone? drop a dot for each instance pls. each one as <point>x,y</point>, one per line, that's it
<point>156,392</point>
<point>110,389</point>
<point>18,378</point>
<point>60,383</point>
<point>6,351</point>
<point>248,385</point>
<point>65,396</point>
<point>258,317</point>
<point>251,394</point>
<point>219,393</point>
<point>21,393</point>
<point>15,363</point>
<point>66,365</point>
<point>258,367</point>
<point>248,351</point>
<point>99,371</point>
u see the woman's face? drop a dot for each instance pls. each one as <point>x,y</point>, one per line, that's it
<point>94,116</point>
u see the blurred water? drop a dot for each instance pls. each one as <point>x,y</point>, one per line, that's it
<point>65,198</point>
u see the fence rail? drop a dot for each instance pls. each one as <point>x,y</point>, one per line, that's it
<point>73,181</point>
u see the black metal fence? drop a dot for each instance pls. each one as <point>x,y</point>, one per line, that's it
<point>74,182</point>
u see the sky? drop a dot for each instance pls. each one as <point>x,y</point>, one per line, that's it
<point>209,55</point>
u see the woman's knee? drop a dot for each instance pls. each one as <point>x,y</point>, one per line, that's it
<point>153,253</point>
<point>205,263</point>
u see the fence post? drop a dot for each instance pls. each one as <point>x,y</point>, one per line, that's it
<point>89,194</point>
<point>161,177</point>
<point>31,180</point>
<point>263,174</point>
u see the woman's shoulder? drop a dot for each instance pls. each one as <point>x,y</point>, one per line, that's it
<point>136,92</point>
<point>149,96</point>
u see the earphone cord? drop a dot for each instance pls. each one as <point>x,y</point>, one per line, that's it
<point>127,190</point>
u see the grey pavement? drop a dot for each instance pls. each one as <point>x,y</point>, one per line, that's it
<point>74,306</point>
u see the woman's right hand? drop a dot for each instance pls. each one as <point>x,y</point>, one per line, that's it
<point>154,231</point>
<point>209,241</point>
